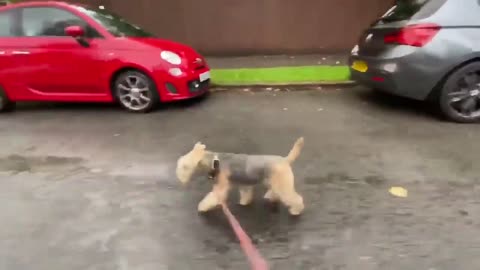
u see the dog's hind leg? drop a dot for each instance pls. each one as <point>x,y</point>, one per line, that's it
<point>282,183</point>
<point>246,195</point>
<point>272,200</point>
<point>218,195</point>
<point>270,196</point>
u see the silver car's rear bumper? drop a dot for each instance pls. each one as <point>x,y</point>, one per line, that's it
<point>399,76</point>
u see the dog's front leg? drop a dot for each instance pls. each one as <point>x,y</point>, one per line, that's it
<point>246,195</point>
<point>209,202</point>
<point>218,195</point>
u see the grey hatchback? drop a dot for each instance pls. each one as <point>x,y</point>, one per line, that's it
<point>425,49</point>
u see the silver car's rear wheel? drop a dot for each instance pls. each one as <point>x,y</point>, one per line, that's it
<point>136,92</point>
<point>460,97</point>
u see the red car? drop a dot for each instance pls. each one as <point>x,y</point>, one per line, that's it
<point>59,52</point>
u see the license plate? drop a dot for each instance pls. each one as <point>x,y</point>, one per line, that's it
<point>360,66</point>
<point>204,76</point>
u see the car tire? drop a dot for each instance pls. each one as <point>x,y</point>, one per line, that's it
<point>135,92</point>
<point>459,96</point>
<point>6,105</point>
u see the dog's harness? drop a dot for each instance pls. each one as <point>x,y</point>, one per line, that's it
<point>257,262</point>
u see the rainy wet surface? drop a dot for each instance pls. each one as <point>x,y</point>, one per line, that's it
<point>92,187</point>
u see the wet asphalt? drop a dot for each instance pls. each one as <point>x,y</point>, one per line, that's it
<point>90,187</point>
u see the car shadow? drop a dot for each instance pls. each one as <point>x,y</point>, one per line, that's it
<point>400,105</point>
<point>183,104</point>
<point>62,106</point>
<point>100,107</point>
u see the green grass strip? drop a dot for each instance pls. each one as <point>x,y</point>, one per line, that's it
<point>280,75</point>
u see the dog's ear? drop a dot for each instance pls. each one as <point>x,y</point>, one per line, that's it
<point>200,146</point>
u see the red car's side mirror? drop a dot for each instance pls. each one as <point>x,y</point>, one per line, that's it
<point>74,31</point>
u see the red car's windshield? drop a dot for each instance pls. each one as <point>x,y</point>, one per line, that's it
<point>114,24</point>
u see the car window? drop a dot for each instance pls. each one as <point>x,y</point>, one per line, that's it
<point>407,9</point>
<point>403,10</point>
<point>114,24</point>
<point>6,24</point>
<point>47,21</point>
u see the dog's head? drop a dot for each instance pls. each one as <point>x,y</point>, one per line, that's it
<point>187,164</point>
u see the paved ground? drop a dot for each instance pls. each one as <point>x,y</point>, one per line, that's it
<point>278,61</point>
<point>92,187</point>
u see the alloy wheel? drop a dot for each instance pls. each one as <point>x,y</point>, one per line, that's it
<point>134,92</point>
<point>465,98</point>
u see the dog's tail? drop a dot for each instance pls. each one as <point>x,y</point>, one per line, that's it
<point>295,152</point>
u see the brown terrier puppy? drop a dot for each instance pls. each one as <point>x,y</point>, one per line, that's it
<point>245,171</point>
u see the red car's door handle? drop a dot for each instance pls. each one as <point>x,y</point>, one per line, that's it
<point>20,52</point>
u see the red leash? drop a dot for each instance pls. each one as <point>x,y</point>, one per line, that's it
<point>257,262</point>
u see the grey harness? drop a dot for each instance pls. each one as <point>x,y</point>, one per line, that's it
<point>244,169</point>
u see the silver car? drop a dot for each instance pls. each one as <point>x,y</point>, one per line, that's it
<point>425,50</point>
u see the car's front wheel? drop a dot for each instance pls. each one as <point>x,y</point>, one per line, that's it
<point>136,92</point>
<point>459,98</point>
<point>6,104</point>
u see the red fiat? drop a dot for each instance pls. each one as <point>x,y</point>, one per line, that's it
<point>59,52</point>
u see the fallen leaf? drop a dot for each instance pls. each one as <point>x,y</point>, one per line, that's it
<point>398,192</point>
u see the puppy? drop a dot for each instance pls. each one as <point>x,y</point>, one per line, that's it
<point>245,172</point>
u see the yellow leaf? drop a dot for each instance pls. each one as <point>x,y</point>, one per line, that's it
<point>399,192</point>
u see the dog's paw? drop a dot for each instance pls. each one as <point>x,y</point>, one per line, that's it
<point>206,206</point>
<point>202,208</point>
<point>245,203</point>
<point>296,211</point>
<point>246,200</point>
